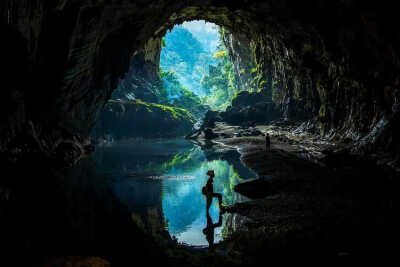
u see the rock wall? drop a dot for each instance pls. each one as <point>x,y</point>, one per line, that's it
<point>342,72</point>
<point>142,81</point>
<point>334,60</point>
<point>238,46</point>
<point>130,119</point>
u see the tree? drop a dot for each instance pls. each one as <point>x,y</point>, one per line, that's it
<point>219,83</point>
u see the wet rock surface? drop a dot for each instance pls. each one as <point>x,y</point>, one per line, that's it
<point>258,188</point>
<point>326,206</point>
<point>54,144</point>
<point>250,108</point>
<point>311,194</point>
<point>48,213</point>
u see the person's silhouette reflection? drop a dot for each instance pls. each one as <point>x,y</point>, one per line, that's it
<point>209,230</point>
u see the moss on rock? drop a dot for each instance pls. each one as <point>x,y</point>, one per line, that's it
<point>136,118</point>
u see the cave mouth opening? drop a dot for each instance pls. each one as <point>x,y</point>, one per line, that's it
<point>333,63</point>
<point>195,69</point>
<point>173,81</point>
<point>195,66</point>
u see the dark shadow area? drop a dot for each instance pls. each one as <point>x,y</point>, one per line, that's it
<point>75,213</point>
<point>107,205</point>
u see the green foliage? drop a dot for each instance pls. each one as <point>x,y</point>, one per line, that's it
<point>130,118</point>
<point>191,71</point>
<point>174,112</point>
<point>220,54</point>
<point>139,105</point>
<point>178,95</point>
<point>186,57</point>
<point>219,83</point>
<point>163,43</point>
<point>236,95</point>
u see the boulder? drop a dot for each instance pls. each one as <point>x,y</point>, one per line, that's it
<point>258,188</point>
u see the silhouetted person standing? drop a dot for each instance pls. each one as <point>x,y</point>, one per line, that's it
<point>209,230</point>
<point>208,190</point>
<point>267,142</point>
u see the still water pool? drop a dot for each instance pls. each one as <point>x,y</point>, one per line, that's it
<point>167,176</point>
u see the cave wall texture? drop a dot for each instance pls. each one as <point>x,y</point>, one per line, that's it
<point>238,45</point>
<point>143,80</point>
<point>335,61</point>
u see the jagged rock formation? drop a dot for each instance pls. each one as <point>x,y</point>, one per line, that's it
<point>128,119</point>
<point>142,81</point>
<point>251,108</point>
<point>148,113</point>
<point>334,61</point>
<point>239,49</point>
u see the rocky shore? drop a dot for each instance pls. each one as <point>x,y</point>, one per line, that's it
<point>311,197</point>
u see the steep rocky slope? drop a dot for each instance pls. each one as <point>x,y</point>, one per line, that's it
<point>142,81</point>
<point>135,118</point>
<point>240,53</point>
<point>306,81</point>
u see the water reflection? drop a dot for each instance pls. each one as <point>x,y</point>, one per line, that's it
<point>210,229</point>
<point>169,175</point>
<point>184,205</point>
<point>101,206</point>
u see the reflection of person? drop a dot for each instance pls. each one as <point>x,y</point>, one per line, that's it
<point>208,191</point>
<point>209,230</point>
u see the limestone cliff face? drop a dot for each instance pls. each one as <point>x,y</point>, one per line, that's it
<point>142,81</point>
<point>348,81</point>
<point>343,78</point>
<point>240,53</point>
<point>337,61</point>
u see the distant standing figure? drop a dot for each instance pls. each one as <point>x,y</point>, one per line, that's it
<point>267,142</point>
<point>208,191</point>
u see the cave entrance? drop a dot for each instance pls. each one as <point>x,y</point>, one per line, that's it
<point>196,68</point>
<point>190,68</point>
<point>172,82</point>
